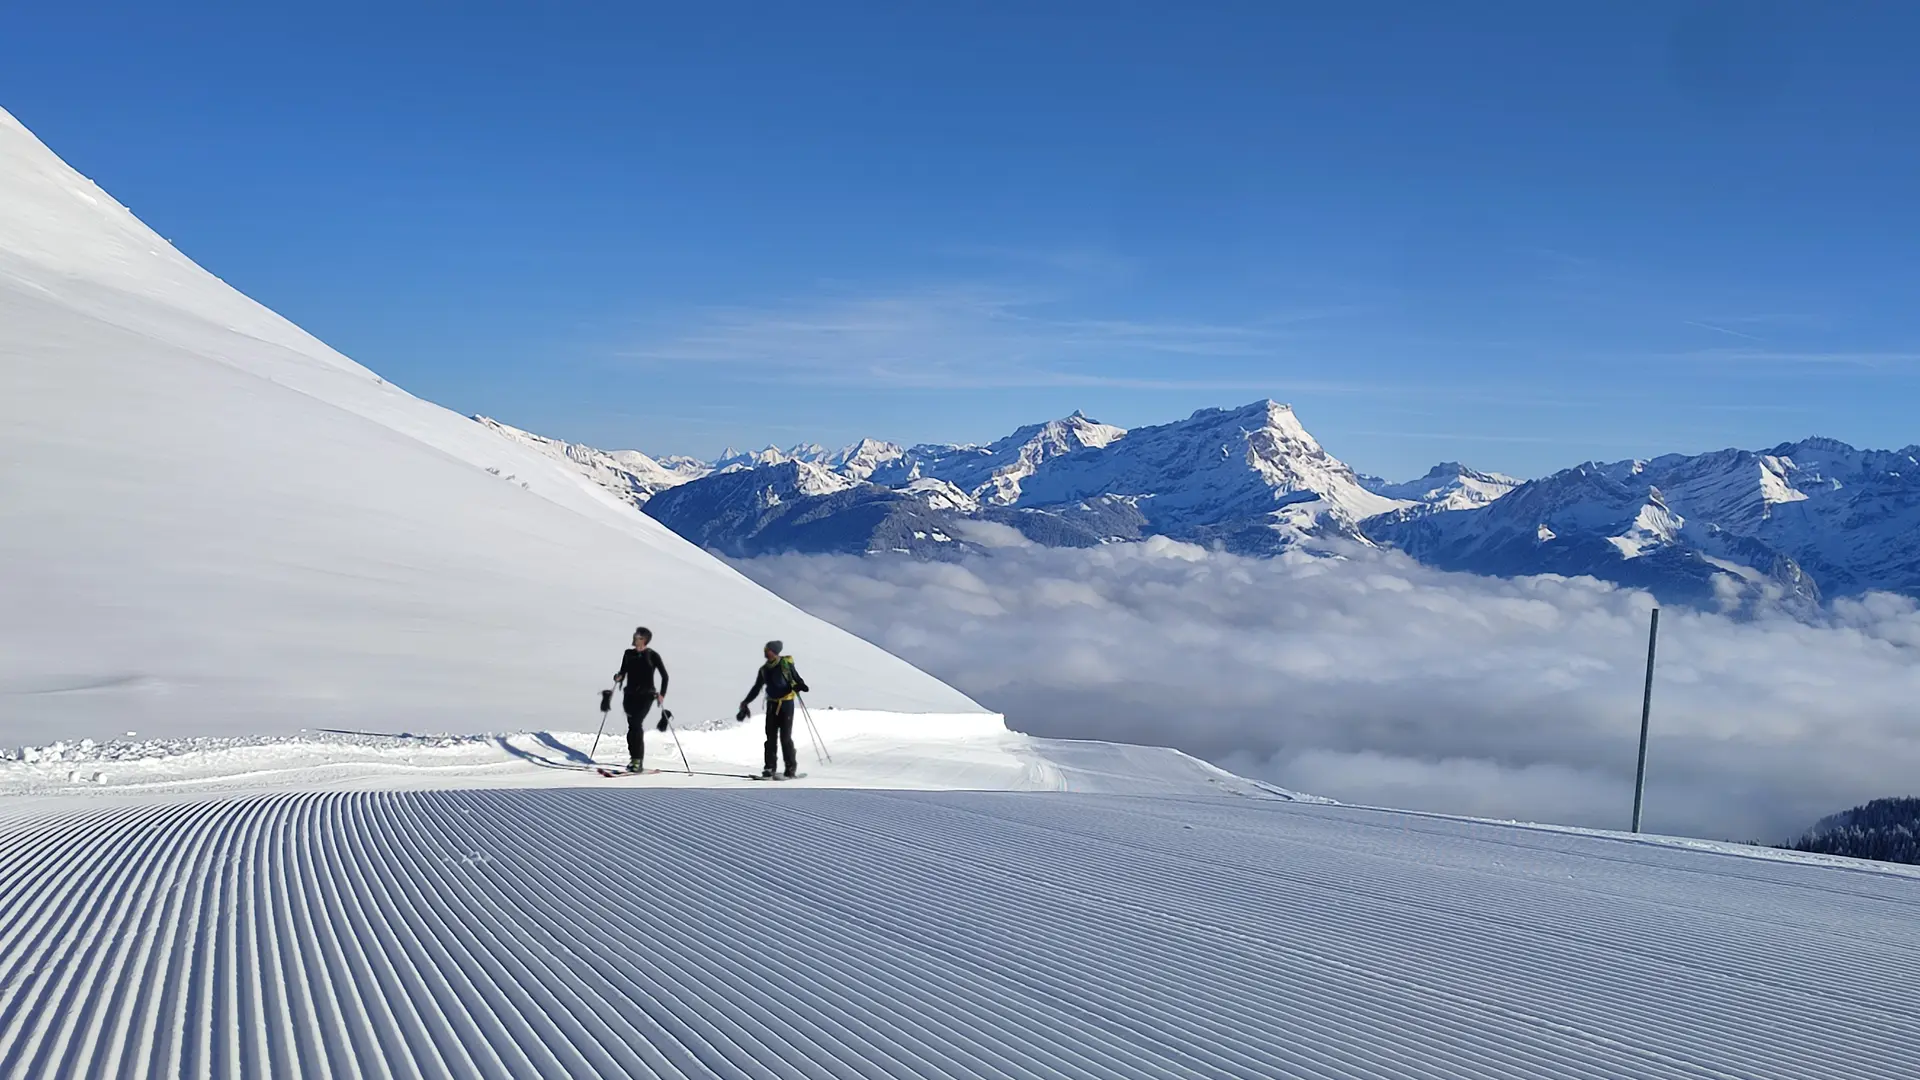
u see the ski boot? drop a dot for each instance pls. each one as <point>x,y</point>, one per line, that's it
<point>635,766</point>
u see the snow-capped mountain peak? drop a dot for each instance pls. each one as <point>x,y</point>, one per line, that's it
<point>1252,477</point>
<point>1776,481</point>
<point>1447,486</point>
<point>1280,421</point>
<point>861,460</point>
<point>731,460</point>
<point>1027,449</point>
<point>941,495</point>
<point>812,479</point>
<point>1290,459</point>
<point>1653,526</point>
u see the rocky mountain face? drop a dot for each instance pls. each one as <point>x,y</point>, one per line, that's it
<point>1793,525</point>
<point>795,505</point>
<point>992,474</point>
<point>1799,522</point>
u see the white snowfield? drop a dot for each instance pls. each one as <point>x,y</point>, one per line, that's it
<point>816,934</point>
<point>856,749</point>
<point>213,524</point>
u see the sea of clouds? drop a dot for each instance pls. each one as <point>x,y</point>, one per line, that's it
<point>1372,679</point>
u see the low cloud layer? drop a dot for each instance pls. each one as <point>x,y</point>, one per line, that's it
<point>1376,680</point>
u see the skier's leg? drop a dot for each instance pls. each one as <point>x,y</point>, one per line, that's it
<point>637,731</point>
<point>786,737</point>
<point>773,740</point>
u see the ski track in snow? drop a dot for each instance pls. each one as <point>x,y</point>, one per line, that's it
<point>816,934</point>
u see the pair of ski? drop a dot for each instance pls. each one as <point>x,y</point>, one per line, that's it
<point>614,774</point>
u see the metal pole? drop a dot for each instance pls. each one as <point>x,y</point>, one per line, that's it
<point>666,717</point>
<point>606,706</point>
<point>1646,713</point>
<point>819,744</point>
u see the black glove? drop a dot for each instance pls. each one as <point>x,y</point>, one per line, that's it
<point>742,714</point>
<point>606,701</point>
<point>802,687</point>
<point>664,717</point>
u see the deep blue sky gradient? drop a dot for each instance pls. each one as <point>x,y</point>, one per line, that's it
<point>1521,235</point>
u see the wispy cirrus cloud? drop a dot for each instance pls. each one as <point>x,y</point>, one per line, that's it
<point>1081,262</point>
<point>1718,329</point>
<point>1831,358</point>
<point>976,336</point>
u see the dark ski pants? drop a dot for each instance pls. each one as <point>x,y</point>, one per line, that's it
<point>780,734</point>
<point>637,710</point>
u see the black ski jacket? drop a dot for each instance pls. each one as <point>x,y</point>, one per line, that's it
<point>638,665</point>
<point>779,680</point>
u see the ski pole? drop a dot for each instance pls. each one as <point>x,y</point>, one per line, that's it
<point>606,706</point>
<point>819,744</point>
<point>666,720</point>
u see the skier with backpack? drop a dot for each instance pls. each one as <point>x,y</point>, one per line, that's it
<point>637,668</point>
<point>782,685</point>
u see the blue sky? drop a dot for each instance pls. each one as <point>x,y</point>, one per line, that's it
<point>1520,235</point>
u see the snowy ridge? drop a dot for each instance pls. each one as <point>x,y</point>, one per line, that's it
<point>632,932</point>
<point>628,475</point>
<point>67,240</point>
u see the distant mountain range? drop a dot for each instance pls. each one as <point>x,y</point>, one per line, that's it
<point>1794,524</point>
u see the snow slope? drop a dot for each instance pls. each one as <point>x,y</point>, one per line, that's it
<point>629,475</point>
<point>864,749</point>
<point>810,934</point>
<point>214,524</point>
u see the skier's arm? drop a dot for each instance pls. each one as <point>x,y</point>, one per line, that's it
<point>759,680</point>
<point>799,683</point>
<point>621,675</point>
<point>660,666</point>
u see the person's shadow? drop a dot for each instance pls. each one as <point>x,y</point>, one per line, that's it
<point>570,758</point>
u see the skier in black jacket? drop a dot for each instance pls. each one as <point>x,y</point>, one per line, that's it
<point>782,684</point>
<point>636,673</point>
